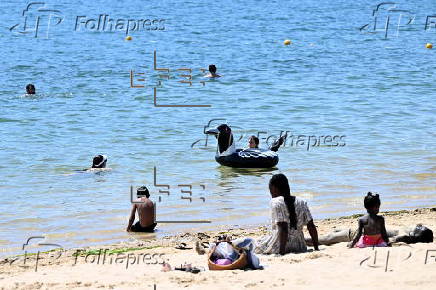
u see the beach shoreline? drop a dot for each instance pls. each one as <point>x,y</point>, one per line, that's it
<point>137,264</point>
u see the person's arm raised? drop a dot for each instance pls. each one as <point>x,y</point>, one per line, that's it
<point>313,234</point>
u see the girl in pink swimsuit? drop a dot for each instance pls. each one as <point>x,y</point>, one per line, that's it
<point>371,225</point>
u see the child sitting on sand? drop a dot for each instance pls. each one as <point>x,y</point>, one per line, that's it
<point>372,225</point>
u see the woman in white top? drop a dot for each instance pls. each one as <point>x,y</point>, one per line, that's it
<point>289,215</point>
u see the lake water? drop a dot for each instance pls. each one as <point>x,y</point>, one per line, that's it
<point>332,80</point>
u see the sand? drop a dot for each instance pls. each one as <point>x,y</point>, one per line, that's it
<point>333,267</point>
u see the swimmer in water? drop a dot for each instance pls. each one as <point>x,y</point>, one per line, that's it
<point>30,89</point>
<point>212,72</point>
<point>253,142</point>
<point>146,213</point>
<point>98,163</point>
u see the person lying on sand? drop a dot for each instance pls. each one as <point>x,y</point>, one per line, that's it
<point>412,235</point>
<point>146,213</point>
<point>289,215</point>
<point>371,225</point>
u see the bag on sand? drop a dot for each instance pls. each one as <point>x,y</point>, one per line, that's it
<point>226,250</point>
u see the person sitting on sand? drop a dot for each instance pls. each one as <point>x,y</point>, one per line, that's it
<point>288,215</point>
<point>411,235</point>
<point>372,226</point>
<point>253,142</point>
<point>146,213</point>
<point>30,89</point>
<point>212,72</point>
<point>341,236</point>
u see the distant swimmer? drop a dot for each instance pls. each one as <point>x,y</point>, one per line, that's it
<point>30,89</point>
<point>146,213</point>
<point>99,161</point>
<point>212,72</point>
<point>98,164</point>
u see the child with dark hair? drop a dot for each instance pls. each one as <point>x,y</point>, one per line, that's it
<point>371,225</point>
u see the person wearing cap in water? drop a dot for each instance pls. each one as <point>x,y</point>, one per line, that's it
<point>98,163</point>
<point>212,72</point>
<point>146,213</point>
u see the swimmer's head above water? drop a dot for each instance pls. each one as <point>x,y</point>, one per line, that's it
<point>99,161</point>
<point>212,68</point>
<point>212,72</point>
<point>30,89</point>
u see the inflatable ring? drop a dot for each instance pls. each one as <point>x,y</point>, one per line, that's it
<point>249,158</point>
<point>228,155</point>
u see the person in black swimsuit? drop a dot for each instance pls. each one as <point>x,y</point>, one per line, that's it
<point>146,213</point>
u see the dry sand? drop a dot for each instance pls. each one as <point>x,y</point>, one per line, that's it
<point>333,267</point>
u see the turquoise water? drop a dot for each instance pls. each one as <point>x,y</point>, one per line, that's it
<point>332,80</point>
